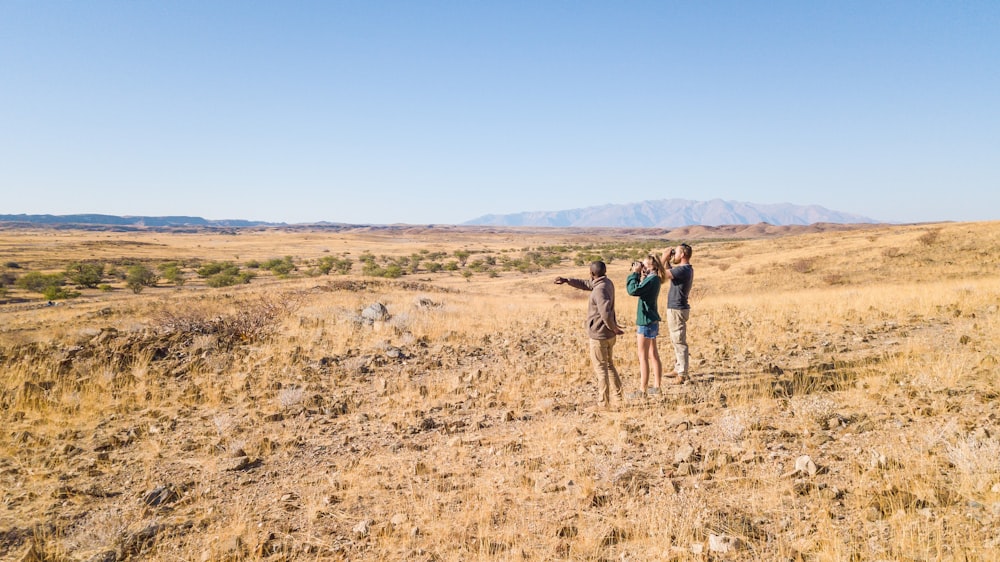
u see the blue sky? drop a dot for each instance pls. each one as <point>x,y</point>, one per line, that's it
<point>442,111</point>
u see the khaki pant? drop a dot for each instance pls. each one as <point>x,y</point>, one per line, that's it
<point>602,357</point>
<point>677,322</point>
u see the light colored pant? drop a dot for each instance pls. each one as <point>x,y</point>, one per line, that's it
<point>677,322</point>
<point>602,357</point>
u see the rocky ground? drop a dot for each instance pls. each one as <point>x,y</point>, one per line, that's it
<point>417,420</point>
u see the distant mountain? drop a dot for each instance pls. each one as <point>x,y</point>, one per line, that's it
<point>669,213</point>
<point>126,221</point>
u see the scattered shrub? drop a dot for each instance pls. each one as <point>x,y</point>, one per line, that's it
<point>929,238</point>
<point>280,266</point>
<point>54,293</point>
<point>227,279</point>
<point>804,265</point>
<point>38,282</point>
<point>172,273</point>
<point>253,320</point>
<point>327,264</point>
<point>85,274</point>
<point>139,277</point>
<point>214,268</point>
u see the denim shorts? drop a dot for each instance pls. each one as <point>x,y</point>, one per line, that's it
<point>649,331</point>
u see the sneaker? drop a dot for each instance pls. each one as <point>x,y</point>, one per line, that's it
<point>653,390</point>
<point>636,395</point>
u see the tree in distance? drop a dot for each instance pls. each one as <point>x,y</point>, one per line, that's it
<point>139,277</point>
<point>87,275</point>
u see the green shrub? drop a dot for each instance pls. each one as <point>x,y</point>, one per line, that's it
<point>85,274</point>
<point>216,267</point>
<point>53,293</point>
<point>172,273</point>
<point>105,287</point>
<point>280,266</point>
<point>38,282</point>
<point>326,264</point>
<point>227,279</point>
<point>139,277</point>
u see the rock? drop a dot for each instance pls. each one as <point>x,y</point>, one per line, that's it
<point>805,465</point>
<point>375,312</point>
<point>398,519</point>
<point>161,495</point>
<point>723,544</point>
<point>362,529</point>
<point>684,454</point>
<point>239,464</point>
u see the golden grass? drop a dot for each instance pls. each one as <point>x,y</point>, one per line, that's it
<point>456,429</point>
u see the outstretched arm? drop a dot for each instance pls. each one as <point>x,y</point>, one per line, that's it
<point>575,283</point>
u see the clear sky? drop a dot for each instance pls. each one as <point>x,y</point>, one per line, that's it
<point>442,111</point>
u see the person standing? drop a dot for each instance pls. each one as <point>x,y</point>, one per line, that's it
<point>681,278</point>
<point>602,329</point>
<point>644,282</point>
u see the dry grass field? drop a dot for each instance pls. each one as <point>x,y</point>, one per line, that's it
<point>289,419</point>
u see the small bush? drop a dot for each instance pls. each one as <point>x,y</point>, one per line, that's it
<point>214,268</point>
<point>105,287</point>
<point>54,293</point>
<point>38,282</point>
<point>85,274</point>
<point>254,320</point>
<point>172,273</point>
<point>804,265</point>
<point>929,238</point>
<point>139,277</point>
<point>327,264</point>
<point>227,279</point>
<point>280,266</point>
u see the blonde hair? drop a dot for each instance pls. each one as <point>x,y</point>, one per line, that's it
<point>657,266</point>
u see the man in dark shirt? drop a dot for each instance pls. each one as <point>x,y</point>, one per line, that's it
<point>602,329</point>
<point>681,278</point>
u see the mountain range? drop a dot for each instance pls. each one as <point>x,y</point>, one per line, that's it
<point>127,221</point>
<point>670,213</point>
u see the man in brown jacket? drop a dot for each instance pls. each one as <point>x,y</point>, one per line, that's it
<point>602,328</point>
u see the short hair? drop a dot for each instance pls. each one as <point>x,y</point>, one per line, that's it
<point>598,268</point>
<point>686,250</point>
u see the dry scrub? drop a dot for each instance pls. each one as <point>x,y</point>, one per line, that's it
<point>294,420</point>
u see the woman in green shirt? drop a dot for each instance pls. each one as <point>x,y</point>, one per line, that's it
<point>644,282</point>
